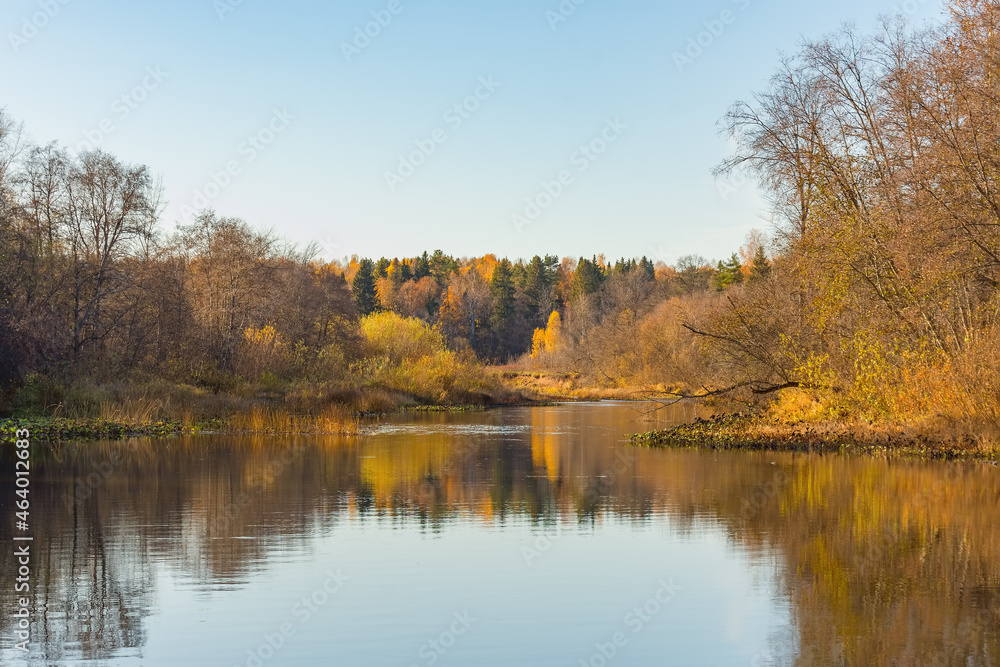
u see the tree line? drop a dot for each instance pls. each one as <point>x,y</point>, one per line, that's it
<point>94,289</point>
<point>875,297</point>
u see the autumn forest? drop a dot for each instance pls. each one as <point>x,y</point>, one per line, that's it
<point>873,299</point>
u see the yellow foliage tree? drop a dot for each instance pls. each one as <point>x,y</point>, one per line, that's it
<point>553,333</point>
<point>537,343</point>
<point>264,337</point>
<point>548,339</point>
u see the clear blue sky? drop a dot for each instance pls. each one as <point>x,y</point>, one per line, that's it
<point>223,74</point>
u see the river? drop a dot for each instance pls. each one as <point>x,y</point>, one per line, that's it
<point>519,536</point>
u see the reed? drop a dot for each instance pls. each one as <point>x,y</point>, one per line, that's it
<point>132,411</point>
<point>262,420</point>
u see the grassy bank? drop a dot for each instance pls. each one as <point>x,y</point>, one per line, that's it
<point>56,429</point>
<point>401,363</point>
<point>160,409</point>
<point>763,432</point>
<point>257,421</point>
<point>555,386</point>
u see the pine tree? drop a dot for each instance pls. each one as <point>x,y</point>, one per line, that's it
<point>363,288</point>
<point>406,271</point>
<point>502,291</point>
<point>587,279</point>
<point>537,286</point>
<point>441,266</point>
<point>396,274</point>
<point>729,273</point>
<point>421,266</point>
<point>761,266</point>
<point>647,268</point>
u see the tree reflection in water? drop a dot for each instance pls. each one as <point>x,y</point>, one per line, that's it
<point>883,562</point>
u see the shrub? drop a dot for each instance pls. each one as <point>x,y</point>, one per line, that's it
<point>400,338</point>
<point>408,356</point>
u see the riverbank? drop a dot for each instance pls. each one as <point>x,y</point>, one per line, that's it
<point>760,432</point>
<point>155,410</point>
<point>55,429</point>
<point>56,410</point>
<point>60,429</point>
<point>261,421</point>
<point>555,386</point>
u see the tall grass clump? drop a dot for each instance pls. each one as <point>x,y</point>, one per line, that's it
<point>263,420</point>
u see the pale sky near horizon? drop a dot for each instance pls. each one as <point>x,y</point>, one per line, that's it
<point>183,86</point>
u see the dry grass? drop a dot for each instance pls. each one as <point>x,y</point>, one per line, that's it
<point>265,421</point>
<point>133,411</point>
<point>570,387</point>
<point>142,403</point>
<point>920,404</point>
<point>249,410</point>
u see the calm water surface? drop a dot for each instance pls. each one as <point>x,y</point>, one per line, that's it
<point>529,536</point>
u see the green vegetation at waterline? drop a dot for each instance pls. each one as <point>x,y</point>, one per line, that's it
<point>759,431</point>
<point>57,429</point>
<point>258,421</point>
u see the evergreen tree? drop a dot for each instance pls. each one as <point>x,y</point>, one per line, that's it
<point>441,267</point>
<point>648,268</point>
<point>396,274</point>
<point>363,288</point>
<point>538,281</point>
<point>406,271</point>
<point>553,266</point>
<point>587,279</point>
<point>421,266</point>
<point>502,291</point>
<point>519,273</point>
<point>761,265</point>
<point>728,273</point>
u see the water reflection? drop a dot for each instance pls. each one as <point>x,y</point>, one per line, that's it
<point>812,560</point>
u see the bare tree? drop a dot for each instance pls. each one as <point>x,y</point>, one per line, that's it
<point>110,213</point>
